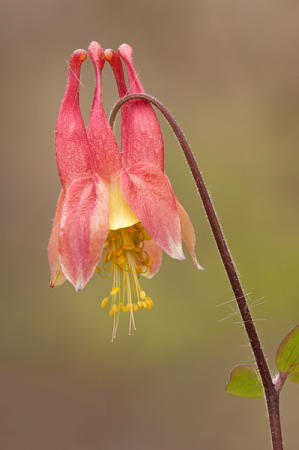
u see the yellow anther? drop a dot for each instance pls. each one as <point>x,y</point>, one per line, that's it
<point>119,251</point>
<point>114,290</point>
<point>121,259</point>
<point>131,229</point>
<point>146,236</point>
<point>108,256</point>
<point>114,308</point>
<point>140,236</point>
<point>128,247</point>
<point>126,256</point>
<point>141,306</point>
<point>149,302</point>
<point>104,302</point>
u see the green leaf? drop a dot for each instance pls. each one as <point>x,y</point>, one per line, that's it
<point>294,377</point>
<point>287,356</point>
<point>244,381</point>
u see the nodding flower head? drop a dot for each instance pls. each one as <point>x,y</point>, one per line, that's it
<point>117,211</point>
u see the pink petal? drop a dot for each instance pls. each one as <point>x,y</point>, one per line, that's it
<point>72,148</point>
<point>84,228</point>
<point>150,196</point>
<point>141,134</point>
<point>188,233</point>
<point>100,135</point>
<point>57,276</point>
<point>155,252</point>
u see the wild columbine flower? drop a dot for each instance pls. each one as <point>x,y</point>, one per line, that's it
<point>118,206</point>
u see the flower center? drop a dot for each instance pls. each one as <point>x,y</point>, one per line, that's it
<point>125,256</point>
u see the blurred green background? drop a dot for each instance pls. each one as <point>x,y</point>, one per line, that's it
<point>229,71</point>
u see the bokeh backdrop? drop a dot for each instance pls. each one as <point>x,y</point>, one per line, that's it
<point>229,71</point>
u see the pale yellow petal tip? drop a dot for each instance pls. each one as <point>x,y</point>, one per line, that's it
<point>57,280</point>
<point>104,302</point>
<point>79,287</point>
<point>115,290</point>
<point>177,252</point>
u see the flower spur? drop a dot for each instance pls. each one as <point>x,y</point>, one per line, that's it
<point>119,205</point>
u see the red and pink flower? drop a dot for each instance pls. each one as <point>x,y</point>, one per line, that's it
<point>119,205</point>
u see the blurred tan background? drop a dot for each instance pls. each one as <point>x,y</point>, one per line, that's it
<point>229,71</point>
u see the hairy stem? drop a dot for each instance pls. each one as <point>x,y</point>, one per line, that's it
<point>272,395</point>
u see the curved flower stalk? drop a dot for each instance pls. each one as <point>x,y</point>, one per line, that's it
<point>242,382</point>
<point>118,206</point>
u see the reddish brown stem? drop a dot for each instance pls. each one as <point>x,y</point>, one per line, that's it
<point>272,395</point>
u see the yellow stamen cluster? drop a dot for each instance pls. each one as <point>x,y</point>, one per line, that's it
<point>125,256</point>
